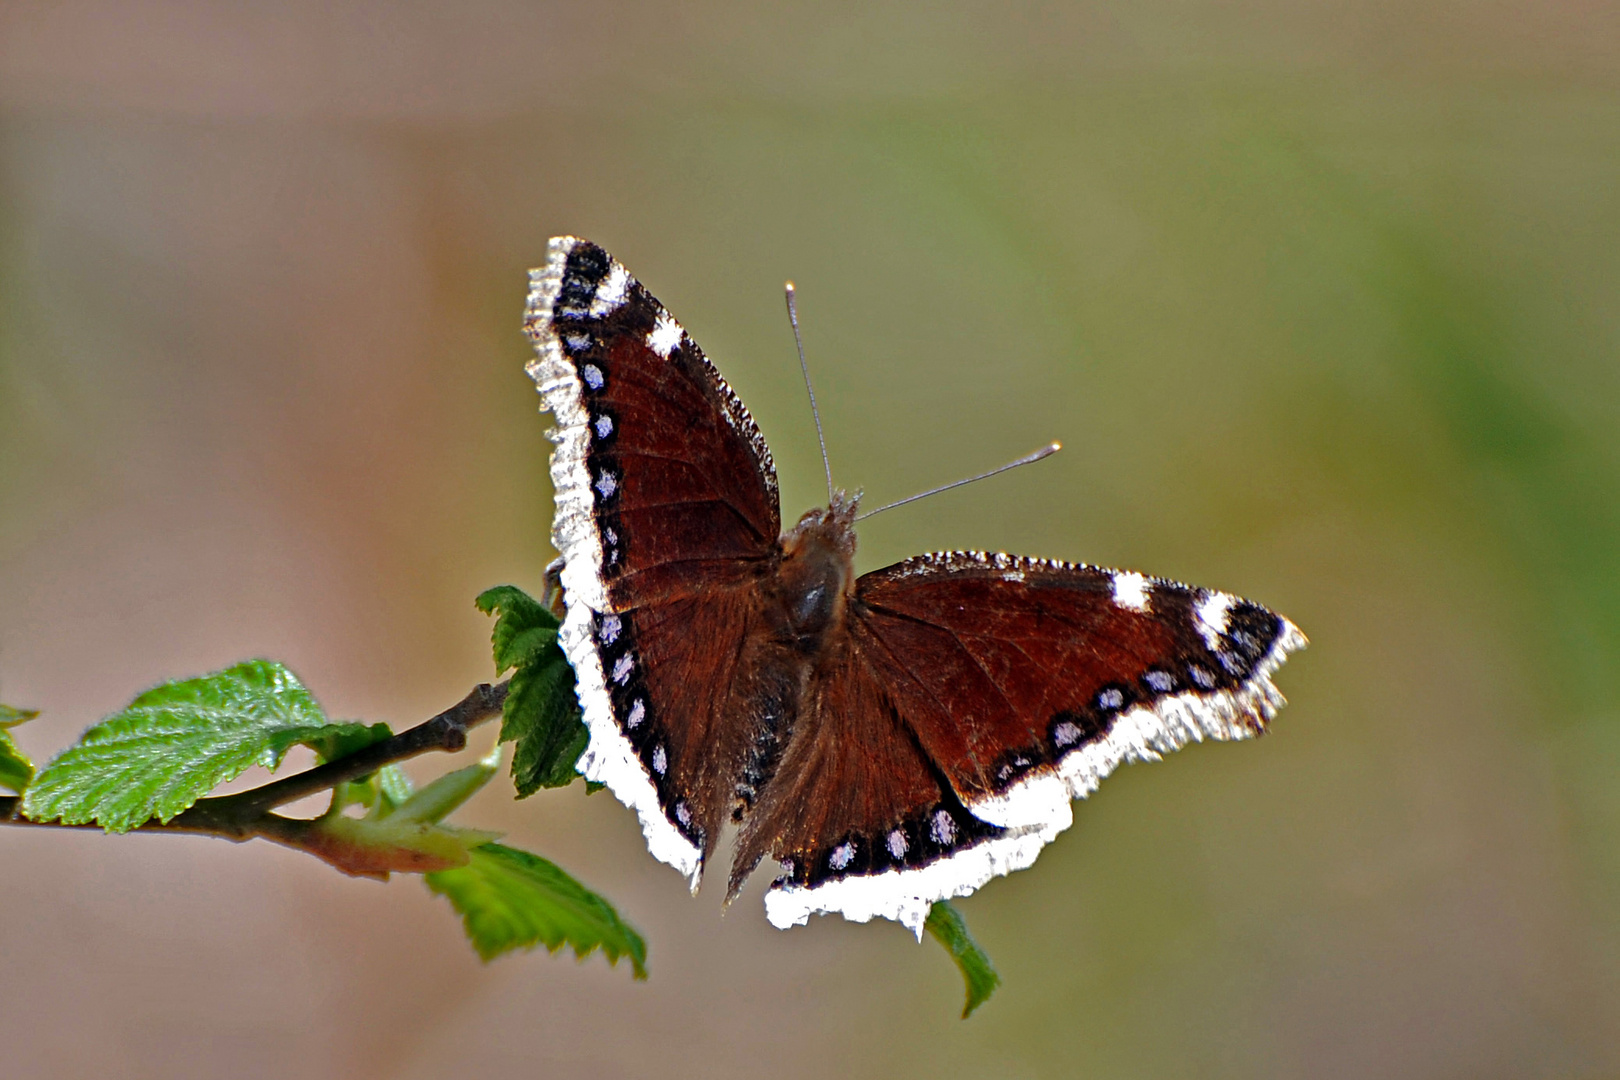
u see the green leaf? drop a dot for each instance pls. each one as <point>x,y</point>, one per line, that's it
<point>541,714</point>
<point>542,717</point>
<point>16,771</point>
<point>329,741</point>
<point>449,791</point>
<point>945,923</point>
<point>394,785</point>
<point>523,625</point>
<point>176,742</point>
<point>510,899</point>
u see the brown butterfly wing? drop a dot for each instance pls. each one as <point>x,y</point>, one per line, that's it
<point>666,519</point>
<point>1019,684</point>
<point>928,741</point>
<point>855,793</point>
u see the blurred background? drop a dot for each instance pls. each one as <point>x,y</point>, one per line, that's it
<point>1320,297</point>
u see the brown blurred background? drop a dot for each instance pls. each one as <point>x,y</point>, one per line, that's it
<point>1321,298</point>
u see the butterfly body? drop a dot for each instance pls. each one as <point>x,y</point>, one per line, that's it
<point>816,576</point>
<point>890,739</point>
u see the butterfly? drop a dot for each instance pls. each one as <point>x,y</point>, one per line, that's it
<point>889,740</point>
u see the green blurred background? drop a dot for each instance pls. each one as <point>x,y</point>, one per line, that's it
<point>1321,298</point>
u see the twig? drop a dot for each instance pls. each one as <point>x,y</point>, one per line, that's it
<point>247,814</point>
<point>447,731</point>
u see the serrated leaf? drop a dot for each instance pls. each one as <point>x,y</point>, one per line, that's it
<point>948,928</point>
<point>509,899</point>
<point>329,741</point>
<point>541,715</point>
<point>174,744</point>
<point>16,771</point>
<point>523,625</point>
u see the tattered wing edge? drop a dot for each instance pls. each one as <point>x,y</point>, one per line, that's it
<point>1038,808</point>
<point>609,758</point>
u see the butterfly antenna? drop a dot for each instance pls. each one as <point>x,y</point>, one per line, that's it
<point>1028,459</point>
<point>804,368</point>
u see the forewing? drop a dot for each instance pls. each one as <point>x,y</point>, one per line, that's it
<point>666,511</point>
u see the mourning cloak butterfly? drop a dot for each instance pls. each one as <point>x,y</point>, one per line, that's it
<point>890,740</point>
